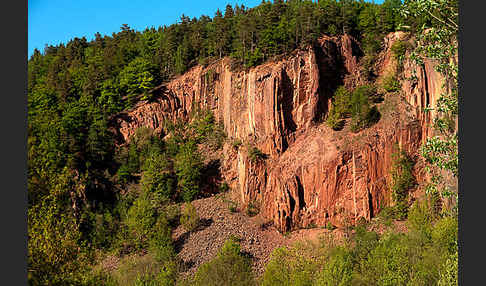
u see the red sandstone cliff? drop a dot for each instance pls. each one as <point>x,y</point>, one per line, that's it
<point>312,174</point>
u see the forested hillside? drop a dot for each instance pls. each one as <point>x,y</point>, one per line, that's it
<point>88,197</point>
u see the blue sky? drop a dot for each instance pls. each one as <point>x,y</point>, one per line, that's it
<point>58,21</point>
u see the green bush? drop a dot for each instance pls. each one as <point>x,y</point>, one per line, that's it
<point>289,267</point>
<point>388,263</point>
<point>189,217</point>
<point>255,154</point>
<point>236,144</point>
<point>420,218</point>
<point>124,174</point>
<point>141,218</point>
<point>363,114</point>
<point>334,121</point>
<point>329,226</point>
<point>224,187</point>
<point>158,177</point>
<point>341,104</point>
<point>365,242</point>
<point>444,234</point>
<point>356,104</point>
<point>252,209</point>
<point>386,215</point>
<point>390,83</point>
<point>206,129</point>
<point>448,273</point>
<point>188,165</point>
<point>338,270</point>
<point>230,267</point>
<point>402,181</point>
<point>161,241</point>
<point>399,48</point>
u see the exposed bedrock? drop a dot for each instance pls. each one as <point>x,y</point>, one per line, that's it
<point>312,174</point>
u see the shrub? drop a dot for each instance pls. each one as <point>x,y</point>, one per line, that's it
<point>338,269</point>
<point>252,209</point>
<point>288,266</point>
<point>363,115</point>
<point>444,234</point>
<point>224,187</point>
<point>386,215</point>
<point>124,174</point>
<point>236,144</point>
<point>135,269</point>
<point>232,207</point>
<point>229,267</point>
<point>387,263</point>
<point>206,129</point>
<point>189,217</point>
<point>399,48</point>
<point>420,218</point>
<point>368,91</point>
<point>341,103</point>
<point>402,180</point>
<point>365,242</point>
<point>329,226</point>
<point>255,154</point>
<point>367,65</point>
<point>188,165</point>
<point>448,273</point>
<point>158,177</point>
<point>141,218</point>
<point>390,83</point>
<point>161,241</point>
<point>334,121</point>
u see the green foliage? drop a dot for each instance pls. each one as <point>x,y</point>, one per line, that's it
<point>444,234</point>
<point>390,83</point>
<point>157,176</point>
<point>436,25</point>
<point>356,104</point>
<point>399,48</point>
<point>138,270</point>
<point>137,78</point>
<point>363,115</point>
<point>236,144</point>
<point>160,242</point>
<point>53,236</point>
<point>188,166</point>
<point>338,270</point>
<point>329,226</point>
<point>255,154</point>
<point>207,130</point>
<point>75,174</point>
<point>402,181</point>
<point>420,217</point>
<point>342,102</point>
<point>449,271</point>
<point>224,187</point>
<point>229,267</point>
<point>334,121</point>
<point>252,209</point>
<point>141,218</point>
<point>189,217</point>
<point>289,266</point>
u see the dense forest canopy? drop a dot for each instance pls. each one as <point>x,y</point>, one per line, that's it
<point>75,174</point>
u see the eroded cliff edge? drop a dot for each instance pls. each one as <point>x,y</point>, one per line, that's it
<point>312,174</point>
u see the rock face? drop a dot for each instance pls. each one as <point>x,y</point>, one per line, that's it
<point>312,175</point>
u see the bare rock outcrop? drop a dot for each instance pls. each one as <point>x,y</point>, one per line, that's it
<point>312,175</point>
